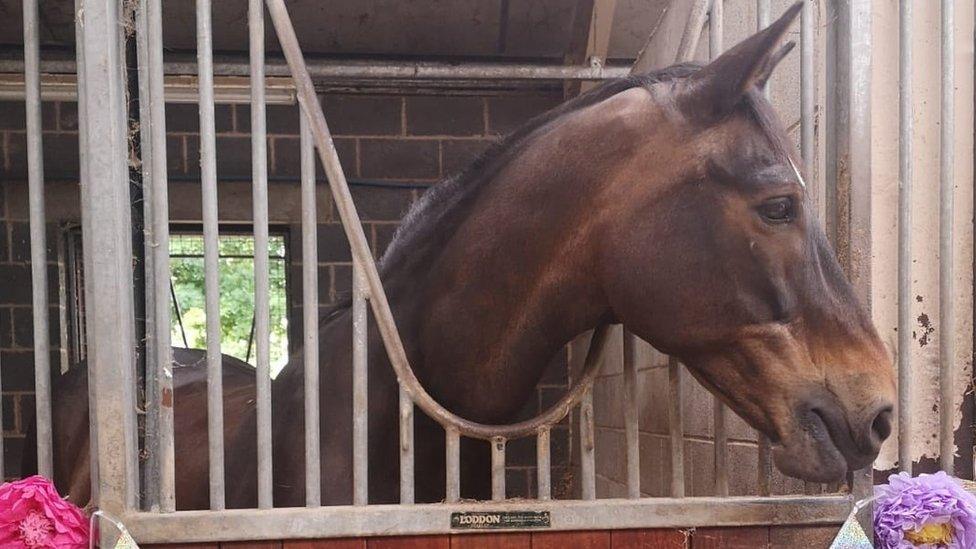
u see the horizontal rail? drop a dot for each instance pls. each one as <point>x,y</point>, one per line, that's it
<point>370,70</point>
<point>435,518</point>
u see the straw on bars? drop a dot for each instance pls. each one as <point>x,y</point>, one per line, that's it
<point>262,310</point>
<point>211,254</point>
<point>310,317</point>
<point>38,249</point>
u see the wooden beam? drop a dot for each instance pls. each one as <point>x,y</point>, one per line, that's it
<point>590,38</point>
<point>675,38</point>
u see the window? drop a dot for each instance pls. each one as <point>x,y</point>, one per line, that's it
<point>236,274</point>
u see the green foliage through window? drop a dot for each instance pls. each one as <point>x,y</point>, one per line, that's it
<point>236,273</point>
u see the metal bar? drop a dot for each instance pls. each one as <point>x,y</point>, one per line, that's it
<point>38,249</point>
<point>310,317</point>
<point>406,448</point>
<point>716,28</point>
<point>631,432</point>
<point>763,9</point>
<point>435,518</point>
<point>378,301</point>
<point>542,464</point>
<point>453,465</point>
<point>693,30</point>
<point>721,449</point>
<point>905,237</point>
<point>676,428</point>
<point>262,313</point>
<point>150,493</point>
<point>498,469</point>
<point>947,310</point>
<point>109,297</point>
<point>159,238</point>
<point>587,447</point>
<point>211,254</point>
<point>808,104</point>
<point>765,465</point>
<point>369,70</point>
<point>360,421</point>
<point>721,442</point>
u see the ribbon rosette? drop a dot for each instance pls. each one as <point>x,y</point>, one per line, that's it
<point>932,511</point>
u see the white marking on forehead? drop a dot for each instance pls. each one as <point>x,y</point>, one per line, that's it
<point>796,172</point>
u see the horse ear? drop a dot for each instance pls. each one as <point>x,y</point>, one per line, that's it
<point>718,87</point>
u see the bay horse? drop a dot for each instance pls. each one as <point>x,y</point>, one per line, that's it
<point>670,202</point>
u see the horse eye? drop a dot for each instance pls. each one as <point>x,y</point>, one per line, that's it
<point>777,210</point>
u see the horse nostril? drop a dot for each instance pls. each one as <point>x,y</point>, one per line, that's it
<point>881,426</point>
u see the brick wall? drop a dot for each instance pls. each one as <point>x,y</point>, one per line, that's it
<point>392,146</point>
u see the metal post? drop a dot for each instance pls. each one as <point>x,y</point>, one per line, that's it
<point>947,316</point>
<point>587,448</point>
<point>905,238</point>
<point>360,421</point>
<point>762,21</point>
<point>498,469</point>
<point>161,400</point>
<point>765,462</point>
<point>453,465</point>
<point>692,31</point>
<point>35,182</point>
<point>676,428</point>
<point>109,298</point>
<point>310,317</point>
<point>542,464</point>
<point>406,448</point>
<point>631,432</point>
<point>721,442</point>
<point>211,254</point>
<point>262,310</point>
<point>808,105</point>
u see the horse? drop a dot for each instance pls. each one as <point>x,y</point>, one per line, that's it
<point>671,202</point>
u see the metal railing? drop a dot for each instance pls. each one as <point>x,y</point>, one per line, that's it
<point>109,316</point>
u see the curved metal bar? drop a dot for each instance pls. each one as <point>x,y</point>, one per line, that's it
<point>374,286</point>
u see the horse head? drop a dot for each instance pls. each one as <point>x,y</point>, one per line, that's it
<point>717,257</point>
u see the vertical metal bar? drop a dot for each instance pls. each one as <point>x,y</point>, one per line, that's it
<point>360,442</point>
<point>262,313</point>
<point>106,220</point>
<point>211,253</point>
<point>310,317</point>
<point>947,320</point>
<point>905,238</point>
<point>676,428</point>
<point>808,104</point>
<point>35,183</point>
<point>692,32</point>
<point>721,442</point>
<point>762,21</point>
<point>721,449</point>
<point>159,238</point>
<point>716,28</point>
<point>542,464</point>
<point>498,469</point>
<point>765,461</point>
<point>406,448</point>
<point>150,497</point>
<point>587,447</point>
<point>631,432</point>
<point>453,465</point>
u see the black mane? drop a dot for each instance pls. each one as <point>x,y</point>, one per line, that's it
<point>432,219</point>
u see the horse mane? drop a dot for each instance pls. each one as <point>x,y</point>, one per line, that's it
<point>433,218</point>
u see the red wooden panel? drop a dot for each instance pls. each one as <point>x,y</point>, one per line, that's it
<point>492,541</point>
<point>649,539</point>
<point>593,539</point>
<point>810,537</point>
<point>410,542</point>
<point>344,543</point>
<point>250,545</point>
<point>730,538</point>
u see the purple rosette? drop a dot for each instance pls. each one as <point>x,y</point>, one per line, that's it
<point>931,511</point>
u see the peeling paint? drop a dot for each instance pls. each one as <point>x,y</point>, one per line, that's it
<point>927,329</point>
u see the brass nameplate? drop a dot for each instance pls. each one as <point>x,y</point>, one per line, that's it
<point>490,520</point>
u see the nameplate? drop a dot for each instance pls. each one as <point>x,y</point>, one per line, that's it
<point>491,520</point>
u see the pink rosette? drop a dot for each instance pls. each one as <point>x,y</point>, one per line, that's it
<point>33,515</point>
